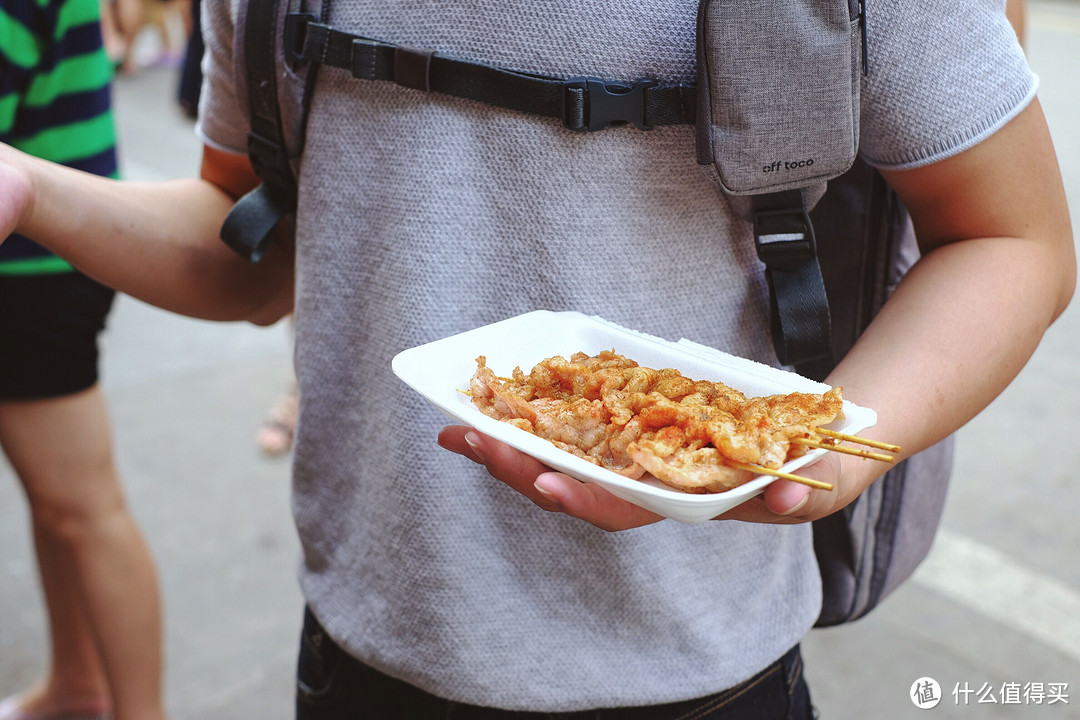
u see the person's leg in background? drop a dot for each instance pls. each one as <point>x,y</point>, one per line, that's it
<point>96,571</point>
<point>97,576</point>
<point>191,71</point>
<point>275,434</point>
<point>121,21</point>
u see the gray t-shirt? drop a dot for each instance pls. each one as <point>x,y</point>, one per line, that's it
<point>423,215</point>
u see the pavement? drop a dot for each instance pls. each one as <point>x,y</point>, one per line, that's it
<point>992,615</point>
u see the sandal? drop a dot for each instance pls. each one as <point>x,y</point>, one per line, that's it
<point>10,709</point>
<point>275,434</point>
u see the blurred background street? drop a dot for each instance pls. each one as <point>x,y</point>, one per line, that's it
<point>995,608</point>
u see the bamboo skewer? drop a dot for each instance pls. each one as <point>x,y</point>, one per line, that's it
<point>858,440</point>
<point>826,440</point>
<point>759,470</point>
<point>835,447</point>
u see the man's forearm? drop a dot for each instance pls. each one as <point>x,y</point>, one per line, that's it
<point>954,335</point>
<point>155,241</point>
<point>998,268</point>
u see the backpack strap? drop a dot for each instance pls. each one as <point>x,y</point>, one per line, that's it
<point>581,103</point>
<point>249,224</point>
<point>783,233</point>
<point>800,317</point>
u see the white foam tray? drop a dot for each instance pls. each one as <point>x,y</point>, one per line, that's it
<point>440,370</point>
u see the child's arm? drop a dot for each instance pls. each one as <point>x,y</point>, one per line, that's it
<point>158,242</point>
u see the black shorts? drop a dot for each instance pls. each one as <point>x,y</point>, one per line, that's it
<point>49,325</point>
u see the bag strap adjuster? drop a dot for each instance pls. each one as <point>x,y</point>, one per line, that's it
<point>591,104</point>
<point>584,104</point>
<point>784,238</point>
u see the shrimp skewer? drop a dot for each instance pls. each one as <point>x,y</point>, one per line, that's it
<point>694,435</point>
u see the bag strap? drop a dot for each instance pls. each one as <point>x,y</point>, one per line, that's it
<point>249,224</point>
<point>800,319</point>
<point>782,229</point>
<point>581,103</point>
<point>783,233</point>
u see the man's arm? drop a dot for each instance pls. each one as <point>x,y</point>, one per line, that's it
<point>158,242</point>
<point>998,267</point>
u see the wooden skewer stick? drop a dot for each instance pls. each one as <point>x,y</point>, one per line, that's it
<point>759,470</point>
<point>827,445</point>
<point>858,440</point>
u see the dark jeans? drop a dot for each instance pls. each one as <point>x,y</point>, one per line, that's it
<point>332,685</point>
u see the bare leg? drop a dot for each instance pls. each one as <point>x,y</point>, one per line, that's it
<point>275,433</point>
<point>186,22</point>
<point>120,24</point>
<point>113,39</point>
<point>97,574</point>
<point>76,681</point>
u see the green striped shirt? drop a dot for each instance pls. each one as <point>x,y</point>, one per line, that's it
<point>55,101</point>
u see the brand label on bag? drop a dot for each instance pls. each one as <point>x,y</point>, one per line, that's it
<point>788,165</point>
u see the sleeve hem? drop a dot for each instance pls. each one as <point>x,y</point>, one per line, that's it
<point>200,132</point>
<point>961,141</point>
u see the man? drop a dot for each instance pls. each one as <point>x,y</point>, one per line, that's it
<point>434,592</point>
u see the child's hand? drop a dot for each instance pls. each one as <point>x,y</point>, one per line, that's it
<point>15,192</point>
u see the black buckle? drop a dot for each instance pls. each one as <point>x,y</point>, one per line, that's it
<point>296,25</point>
<point>784,238</point>
<point>590,104</point>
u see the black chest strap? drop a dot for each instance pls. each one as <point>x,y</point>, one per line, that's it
<point>581,103</point>
<point>782,229</point>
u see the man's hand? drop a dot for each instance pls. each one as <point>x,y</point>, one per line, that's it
<point>782,501</point>
<point>550,490</point>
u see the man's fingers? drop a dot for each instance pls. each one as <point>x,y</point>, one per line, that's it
<point>785,497</point>
<point>506,463</point>
<point>550,490</point>
<point>797,502</point>
<point>786,501</point>
<point>503,462</point>
<point>452,438</point>
<point>592,503</point>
